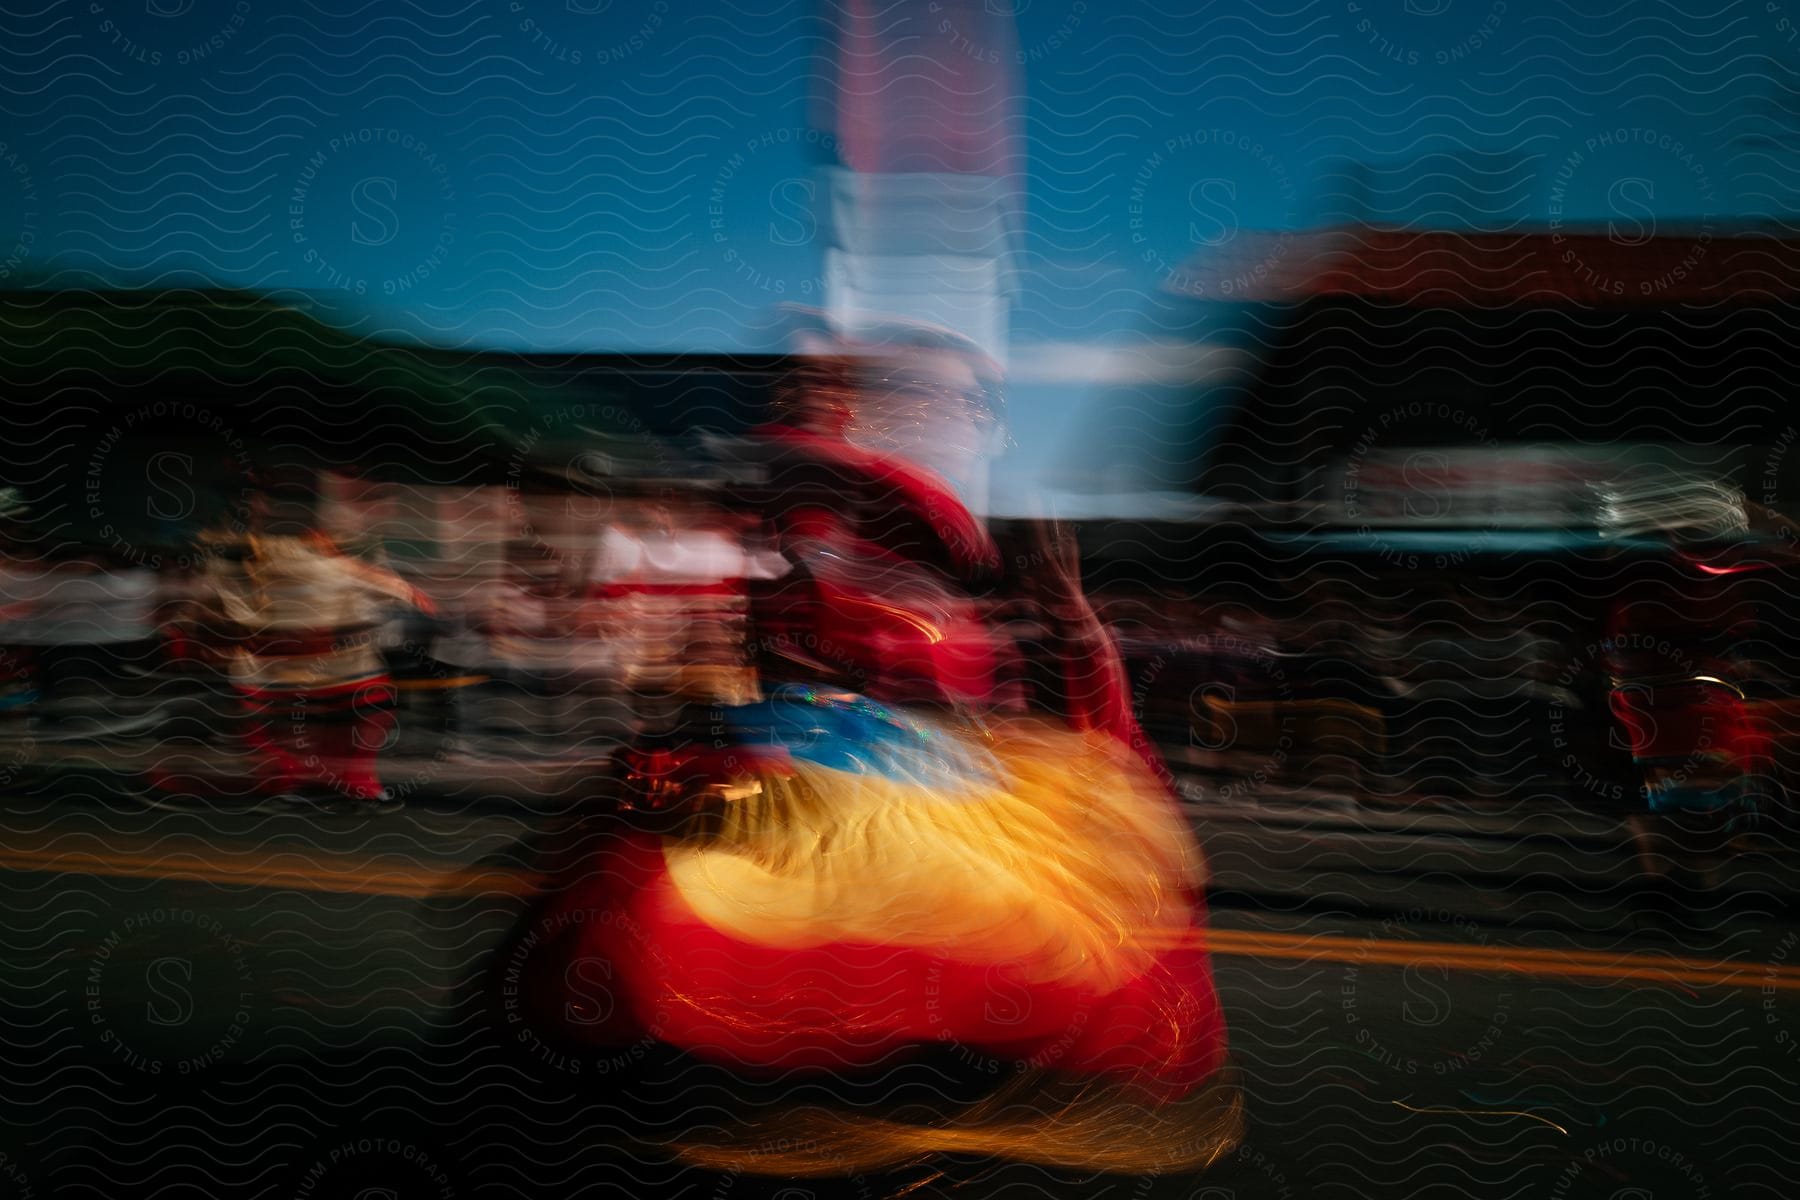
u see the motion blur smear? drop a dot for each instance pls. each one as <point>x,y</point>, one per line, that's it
<point>967,598</point>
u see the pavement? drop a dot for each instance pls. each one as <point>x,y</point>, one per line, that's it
<point>231,1001</point>
<point>206,994</point>
<point>1278,847</point>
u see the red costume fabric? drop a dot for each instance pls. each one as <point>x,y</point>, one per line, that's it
<point>730,949</point>
<point>327,738</point>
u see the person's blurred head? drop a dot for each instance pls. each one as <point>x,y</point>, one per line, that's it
<point>932,407</point>
<point>285,510</point>
<point>675,510</point>
<point>925,394</point>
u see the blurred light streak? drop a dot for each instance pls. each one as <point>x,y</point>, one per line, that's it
<point>1484,1112</point>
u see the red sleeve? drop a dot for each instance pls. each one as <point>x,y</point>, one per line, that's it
<point>1097,692</point>
<point>922,494</point>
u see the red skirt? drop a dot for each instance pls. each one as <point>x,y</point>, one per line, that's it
<point>1027,894</point>
<point>845,1006</point>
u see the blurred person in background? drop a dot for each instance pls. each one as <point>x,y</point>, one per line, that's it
<point>1681,695</point>
<point>518,629</point>
<point>667,591</point>
<point>297,621</point>
<point>21,590</point>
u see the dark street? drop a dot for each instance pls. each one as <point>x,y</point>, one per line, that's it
<point>269,993</point>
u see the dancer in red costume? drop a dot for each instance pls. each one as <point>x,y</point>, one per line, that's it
<point>872,861</point>
<point>294,621</point>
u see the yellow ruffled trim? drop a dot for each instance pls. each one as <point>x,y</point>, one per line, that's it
<point>1073,865</point>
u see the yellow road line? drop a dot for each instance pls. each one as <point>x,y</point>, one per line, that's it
<point>376,877</point>
<point>1483,951</point>
<point>372,878</point>
<point>1569,964</point>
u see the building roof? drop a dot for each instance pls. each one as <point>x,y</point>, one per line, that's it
<point>1443,268</point>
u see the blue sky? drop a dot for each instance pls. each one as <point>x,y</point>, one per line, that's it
<point>634,174</point>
